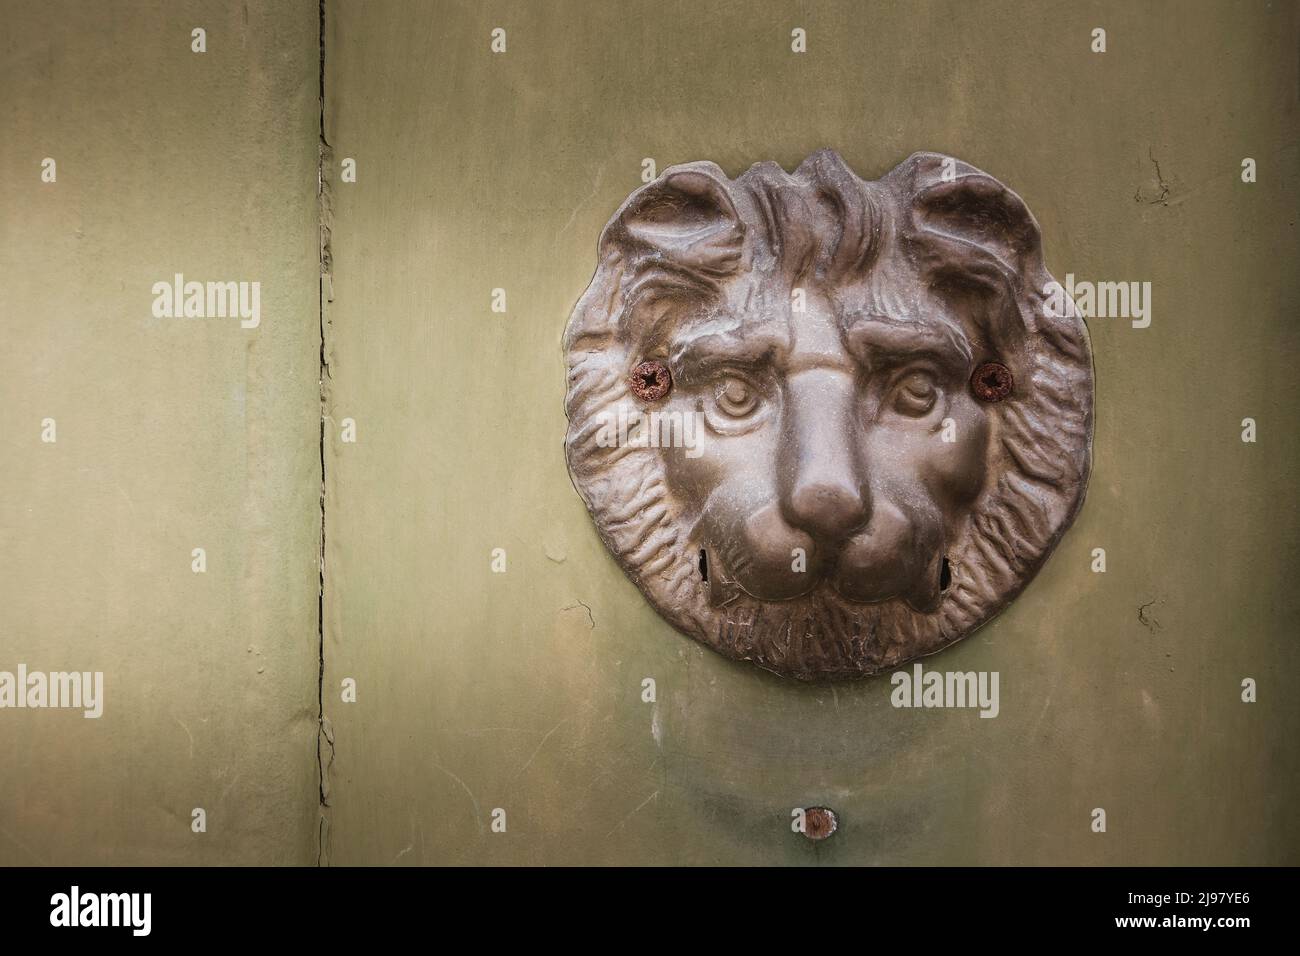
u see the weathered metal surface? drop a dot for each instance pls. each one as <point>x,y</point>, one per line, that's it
<point>821,493</point>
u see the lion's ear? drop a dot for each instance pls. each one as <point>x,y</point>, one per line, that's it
<point>967,219</point>
<point>686,216</point>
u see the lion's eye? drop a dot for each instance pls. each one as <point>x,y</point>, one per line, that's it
<point>736,398</point>
<point>915,394</point>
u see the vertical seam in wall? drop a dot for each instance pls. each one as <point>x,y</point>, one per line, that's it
<point>324,734</point>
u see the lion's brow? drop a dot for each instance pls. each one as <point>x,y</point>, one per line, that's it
<point>699,351</point>
<point>874,339</point>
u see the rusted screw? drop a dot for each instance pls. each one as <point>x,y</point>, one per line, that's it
<point>991,382</point>
<point>819,823</point>
<point>650,381</point>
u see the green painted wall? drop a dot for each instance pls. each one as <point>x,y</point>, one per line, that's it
<point>522,690</point>
<point>171,434</point>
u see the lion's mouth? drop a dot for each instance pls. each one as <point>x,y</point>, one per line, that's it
<point>835,577</point>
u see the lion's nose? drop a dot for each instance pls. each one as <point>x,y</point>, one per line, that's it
<point>824,489</point>
<point>826,510</point>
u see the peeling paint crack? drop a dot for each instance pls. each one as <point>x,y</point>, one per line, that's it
<point>1146,620</point>
<point>1163,198</point>
<point>324,732</point>
<point>582,604</point>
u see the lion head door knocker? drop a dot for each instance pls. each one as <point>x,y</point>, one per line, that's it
<point>827,425</point>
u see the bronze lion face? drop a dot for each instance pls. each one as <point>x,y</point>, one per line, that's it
<point>827,425</point>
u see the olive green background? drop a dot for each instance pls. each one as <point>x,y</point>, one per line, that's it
<point>172,434</point>
<point>522,690</point>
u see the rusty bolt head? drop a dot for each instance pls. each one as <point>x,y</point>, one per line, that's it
<point>819,823</point>
<point>650,381</point>
<point>991,382</point>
